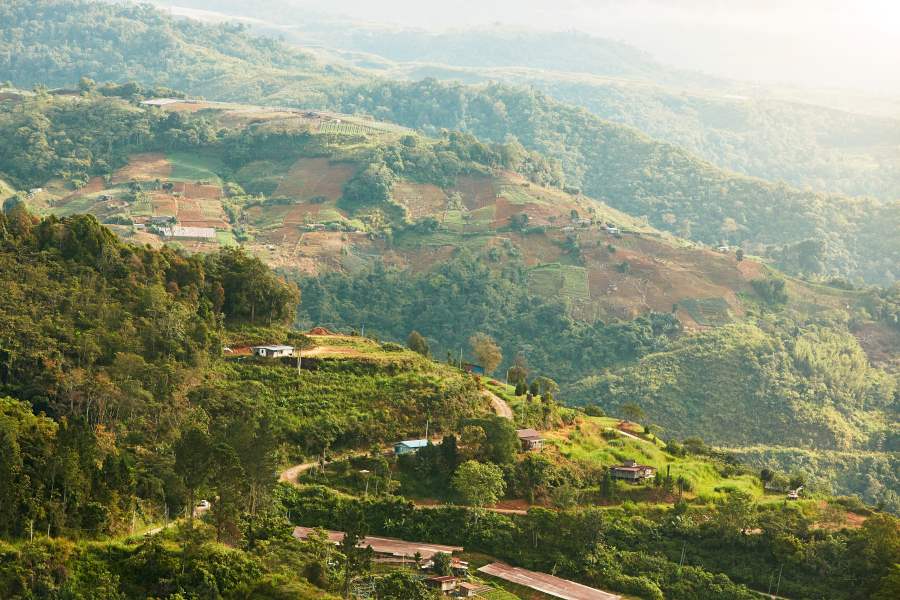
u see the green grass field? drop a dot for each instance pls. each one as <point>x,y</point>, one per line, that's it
<point>267,217</point>
<point>516,194</point>
<point>81,204</point>
<point>564,280</point>
<point>191,167</point>
<point>226,238</point>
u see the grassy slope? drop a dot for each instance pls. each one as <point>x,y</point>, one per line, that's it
<point>735,385</point>
<point>867,474</point>
<point>585,443</point>
<point>6,190</point>
<point>367,392</point>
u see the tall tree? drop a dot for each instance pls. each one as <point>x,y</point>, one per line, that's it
<point>357,561</point>
<point>478,484</point>
<point>193,462</point>
<point>486,351</point>
<point>417,343</point>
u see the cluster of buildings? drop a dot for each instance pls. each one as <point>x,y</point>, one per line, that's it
<point>529,439</point>
<point>421,554</point>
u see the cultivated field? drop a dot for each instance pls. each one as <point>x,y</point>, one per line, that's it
<point>144,167</point>
<point>312,177</point>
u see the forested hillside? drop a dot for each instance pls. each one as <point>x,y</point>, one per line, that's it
<point>547,296</point>
<point>497,46</point>
<point>57,42</point>
<point>807,232</point>
<point>551,377</point>
<point>118,413</point>
<point>806,146</point>
<point>676,191</point>
<point>738,126</point>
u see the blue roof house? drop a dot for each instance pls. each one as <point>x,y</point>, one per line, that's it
<point>409,446</point>
<point>473,369</point>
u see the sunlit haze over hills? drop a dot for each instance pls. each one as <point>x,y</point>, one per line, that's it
<point>817,43</point>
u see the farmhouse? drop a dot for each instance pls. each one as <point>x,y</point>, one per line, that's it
<point>473,369</point>
<point>274,351</point>
<point>530,439</point>
<point>409,446</point>
<point>444,583</point>
<point>631,471</point>
<point>200,234</point>
<point>458,567</point>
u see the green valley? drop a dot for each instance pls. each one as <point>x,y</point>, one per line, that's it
<point>285,323</point>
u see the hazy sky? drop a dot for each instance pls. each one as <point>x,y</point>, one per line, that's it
<point>851,43</point>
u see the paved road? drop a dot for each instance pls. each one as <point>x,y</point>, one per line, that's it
<point>632,436</point>
<point>290,475</point>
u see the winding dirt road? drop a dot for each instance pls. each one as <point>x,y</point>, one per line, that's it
<point>498,404</point>
<point>290,474</point>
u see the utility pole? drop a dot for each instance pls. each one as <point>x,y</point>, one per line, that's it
<point>778,585</point>
<point>427,423</point>
<point>460,358</point>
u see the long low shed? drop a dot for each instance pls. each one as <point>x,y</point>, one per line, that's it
<point>547,584</point>
<point>386,546</point>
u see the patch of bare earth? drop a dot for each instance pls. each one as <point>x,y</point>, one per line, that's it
<point>657,275</point>
<point>421,200</point>
<point>164,205</point>
<point>94,185</point>
<point>880,343</point>
<point>311,177</point>
<point>144,167</point>
<point>201,213</point>
<point>198,191</point>
<point>477,191</point>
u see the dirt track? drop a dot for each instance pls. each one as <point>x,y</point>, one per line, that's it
<point>498,404</point>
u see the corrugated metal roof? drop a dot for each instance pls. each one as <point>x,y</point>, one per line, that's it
<point>413,443</point>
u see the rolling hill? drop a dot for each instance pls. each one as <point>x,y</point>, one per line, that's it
<point>283,200</point>
<point>392,231</point>
<point>808,232</point>
<point>747,128</point>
